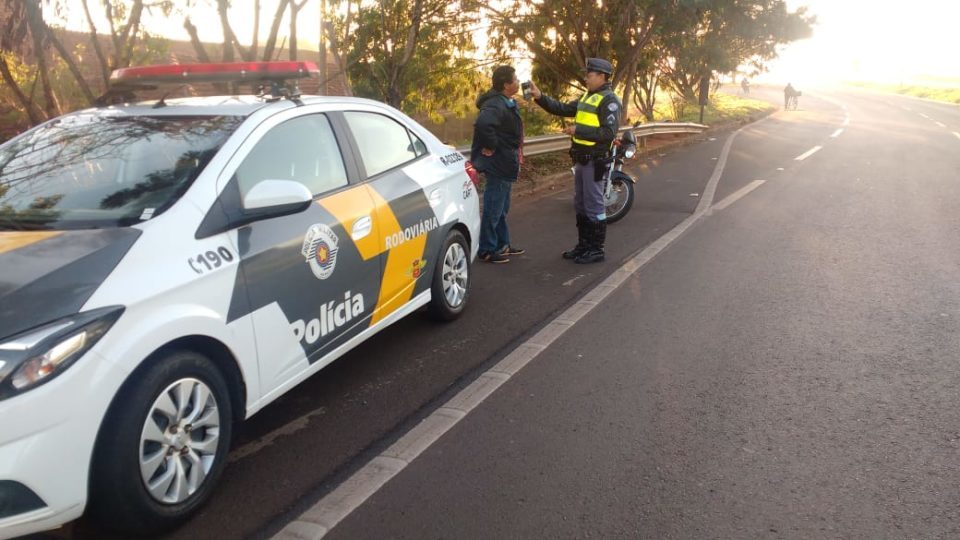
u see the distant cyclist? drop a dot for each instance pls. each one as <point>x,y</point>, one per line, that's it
<point>745,86</point>
<point>790,97</point>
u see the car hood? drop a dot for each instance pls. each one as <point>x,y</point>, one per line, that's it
<point>45,275</point>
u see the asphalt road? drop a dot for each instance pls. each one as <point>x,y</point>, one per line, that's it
<point>786,368</point>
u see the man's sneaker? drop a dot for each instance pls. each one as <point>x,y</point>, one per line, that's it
<point>510,250</point>
<point>493,257</point>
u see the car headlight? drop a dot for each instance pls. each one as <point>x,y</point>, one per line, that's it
<point>36,356</point>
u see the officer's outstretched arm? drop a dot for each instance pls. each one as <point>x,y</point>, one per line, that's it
<point>554,107</point>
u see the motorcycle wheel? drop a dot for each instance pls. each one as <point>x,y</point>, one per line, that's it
<point>620,200</point>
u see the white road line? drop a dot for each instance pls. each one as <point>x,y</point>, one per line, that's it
<point>737,195</point>
<point>345,498</point>
<point>846,121</point>
<point>925,116</point>
<point>957,134</point>
<point>808,153</point>
<point>941,124</point>
<point>836,133</point>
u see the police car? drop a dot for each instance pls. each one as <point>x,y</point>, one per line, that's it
<point>170,267</point>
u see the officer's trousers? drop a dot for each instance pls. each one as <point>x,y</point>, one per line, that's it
<point>588,192</point>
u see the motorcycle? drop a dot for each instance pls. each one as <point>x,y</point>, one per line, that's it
<point>618,192</point>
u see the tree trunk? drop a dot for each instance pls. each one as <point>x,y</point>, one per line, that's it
<point>128,35</point>
<point>97,49</point>
<point>394,97</point>
<point>195,41</point>
<point>38,30</point>
<point>294,12</point>
<point>271,43</point>
<point>201,51</point>
<point>338,57</point>
<point>72,66</point>
<point>227,53</point>
<point>254,46</point>
<point>33,113</point>
<point>627,88</point>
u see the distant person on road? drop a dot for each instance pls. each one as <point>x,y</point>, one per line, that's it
<point>745,86</point>
<point>596,122</point>
<point>790,95</point>
<point>497,152</point>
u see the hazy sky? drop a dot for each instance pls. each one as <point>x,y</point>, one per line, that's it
<point>874,40</point>
<point>887,40</point>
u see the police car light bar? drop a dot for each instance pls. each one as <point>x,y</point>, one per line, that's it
<point>219,72</point>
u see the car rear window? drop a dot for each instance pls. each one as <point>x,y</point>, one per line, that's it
<point>90,171</point>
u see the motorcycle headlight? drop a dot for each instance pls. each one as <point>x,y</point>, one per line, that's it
<point>34,357</point>
<point>629,152</point>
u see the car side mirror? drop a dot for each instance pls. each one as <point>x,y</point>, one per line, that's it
<point>277,197</point>
<point>265,200</point>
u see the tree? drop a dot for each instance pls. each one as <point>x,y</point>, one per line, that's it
<point>414,54</point>
<point>562,35</point>
<point>336,31</point>
<point>33,53</point>
<point>716,36</point>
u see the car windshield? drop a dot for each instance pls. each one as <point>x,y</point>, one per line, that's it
<point>95,171</point>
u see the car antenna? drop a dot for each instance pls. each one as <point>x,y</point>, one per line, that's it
<point>162,103</point>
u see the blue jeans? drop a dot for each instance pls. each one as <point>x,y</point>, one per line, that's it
<point>494,234</point>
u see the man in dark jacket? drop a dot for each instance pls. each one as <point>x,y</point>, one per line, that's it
<point>497,153</point>
<point>596,123</point>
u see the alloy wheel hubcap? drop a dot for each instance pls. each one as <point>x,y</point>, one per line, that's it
<point>455,274</point>
<point>179,441</point>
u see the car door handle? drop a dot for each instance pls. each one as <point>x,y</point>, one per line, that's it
<point>361,228</point>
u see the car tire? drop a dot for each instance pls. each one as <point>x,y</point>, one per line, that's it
<point>162,446</point>
<point>451,278</point>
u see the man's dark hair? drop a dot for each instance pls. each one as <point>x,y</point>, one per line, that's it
<point>503,76</point>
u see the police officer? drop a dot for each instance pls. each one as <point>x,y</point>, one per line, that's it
<point>596,122</point>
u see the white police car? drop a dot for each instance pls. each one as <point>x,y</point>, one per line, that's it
<point>167,268</point>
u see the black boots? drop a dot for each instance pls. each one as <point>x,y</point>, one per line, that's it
<point>596,237</point>
<point>582,235</point>
<point>591,237</point>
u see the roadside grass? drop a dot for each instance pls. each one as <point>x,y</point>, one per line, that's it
<point>946,94</point>
<point>722,109</point>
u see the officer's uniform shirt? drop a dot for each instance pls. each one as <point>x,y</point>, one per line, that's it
<point>608,112</point>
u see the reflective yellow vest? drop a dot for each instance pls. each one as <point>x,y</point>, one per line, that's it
<point>587,113</point>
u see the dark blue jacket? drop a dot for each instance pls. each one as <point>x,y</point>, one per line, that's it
<point>499,128</point>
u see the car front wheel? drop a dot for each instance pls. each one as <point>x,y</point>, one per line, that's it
<point>162,446</point>
<point>451,278</point>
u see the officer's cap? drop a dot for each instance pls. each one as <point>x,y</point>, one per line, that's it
<point>599,65</point>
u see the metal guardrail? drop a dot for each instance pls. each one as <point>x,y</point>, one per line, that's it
<point>544,144</point>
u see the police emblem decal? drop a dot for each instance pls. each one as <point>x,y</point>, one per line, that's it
<point>417,268</point>
<point>467,189</point>
<point>320,246</point>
